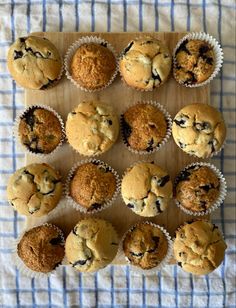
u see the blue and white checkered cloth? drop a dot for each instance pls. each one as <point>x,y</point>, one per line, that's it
<point>117,286</point>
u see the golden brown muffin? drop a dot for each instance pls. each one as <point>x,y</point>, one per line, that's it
<point>34,190</point>
<point>195,62</point>
<point>146,189</point>
<point>197,188</point>
<point>199,129</point>
<point>42,248</point>
<point>40,130</point>
<point>144,127</point>
<point>145,246</point>
<point>145,64</point>
<point>34,62</point>
<point>199,247</point>
<point>93,66</point>
<point>91,245</point>
<point>92,185</point>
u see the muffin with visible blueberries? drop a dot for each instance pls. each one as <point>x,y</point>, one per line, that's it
<point>92,185</point>
<point>145,246</point>
<point>145,63</point>
<point>40,130</point>
<point>34,63</point>
<point>42,248</point>
<point>91,245</point>
<point>93,66</point>
<point>198,188</point>
<point>199,247</point>
<point>144,127</point>
<point>199,130</point>
<point>146,189</point>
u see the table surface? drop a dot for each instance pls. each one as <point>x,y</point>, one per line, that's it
<point>117,286</point>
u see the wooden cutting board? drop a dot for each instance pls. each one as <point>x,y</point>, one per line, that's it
<point>65,96</point>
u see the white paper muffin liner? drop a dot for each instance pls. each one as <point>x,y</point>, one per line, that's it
<point>165,260</point>
<point>222,191</point>
<point>21,265</point>
<point>78,206</point>
<point>121,56</point>
<point>73,48</point>
<point>168,131</point>
<point>24,148</point>
<point>217,51</point>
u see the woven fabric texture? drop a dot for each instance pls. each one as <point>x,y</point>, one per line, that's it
<point>117,286</point>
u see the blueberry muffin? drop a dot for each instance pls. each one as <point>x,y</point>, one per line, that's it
<point>199,129</point>
<point>145,64</point>
<point>91,245</point>
<point>194,62</point>
<point>146,189</point>
<point>144,127</point>
<point>42,248</point>
<point>34,190</point>
<point>93,66</point>
<point>197,188</point>
<point>40,130</point>
<point>92,185</point>
<point>145,246</point>
<point>92,128</point>
<point>199,247</point>
<point>34,62</point>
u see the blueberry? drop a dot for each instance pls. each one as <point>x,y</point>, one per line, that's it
<point>181,120</point>
<point>158,205</point>
<point>80,262</point>
<point>22,39</point>
<point>104,44</point>
<point>131,206</point>
<point>180,264</point>
<point>95,206</point>
<point>183,47</point>
<point>115,244</point>
<point>150,145</point>
<point>128,47</point>
<point>206,188</point>
<point>74,231</point>
<point>17,54</point>
<point>191,79</point>
<point>182,145</point>
<point>156,76</point>
<point>203,49</point>
<point>162,181</point>
<point>203,205</point>
<point>137,254</point>
<point>56,241</point>
<point>202,126</point>
<point>127,130</point>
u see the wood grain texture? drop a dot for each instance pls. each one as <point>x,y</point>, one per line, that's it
<point>65,96</point>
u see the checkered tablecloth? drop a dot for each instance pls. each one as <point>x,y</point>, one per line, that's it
<point>117,286</point>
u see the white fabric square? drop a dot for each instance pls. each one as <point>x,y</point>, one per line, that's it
<point>136,299</point>
<point>152,299</point>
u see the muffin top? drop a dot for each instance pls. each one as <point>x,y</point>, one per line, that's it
<point>34,62</point>
<point>42,248</point>
<point>40,130</point>
<point>145,246</point>
<point>92,128</point>
<point>195,62</point>
<point>199,247</point>
<point>199,129</point>
<point>93,65</point>
<point>92,185</point>
<point>34,190</point>
<point>91,245</point>
<point>144,127</point>
<point>145,64</point>
<point>146,189</point>
<point>197,188</point>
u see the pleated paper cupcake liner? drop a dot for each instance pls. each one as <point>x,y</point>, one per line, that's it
<point>122,78</point>
<point>217,51</point>
<point>23,147</point>
<point>78,206</point>
<point>73,48</point>
<point>222,192</point>
<point>22,266</point>
<point>165,260</point>
<point>165,139</point>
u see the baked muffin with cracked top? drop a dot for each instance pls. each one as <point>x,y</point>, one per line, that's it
<point>145,63</point>
<point>40,130</point>
<point>42,248</point>
<point>146,189</point>
<point>144,127</point>
<point>93,65</point>
<point>92,185</point>
<point>194,62</point>
<point>199,129</point>
<point>145,246</point>
<point>34,190</point>
<point>91,245</point>
<point>92,128</point>
<point>34,62</point>
<point>199,247</point>
<point>197,188</point>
